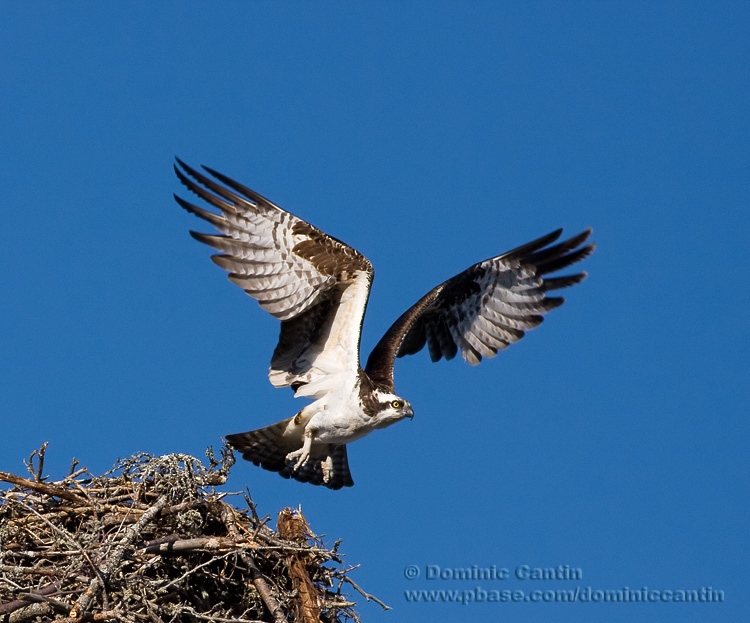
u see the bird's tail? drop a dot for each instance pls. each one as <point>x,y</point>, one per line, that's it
<point>268,447</point>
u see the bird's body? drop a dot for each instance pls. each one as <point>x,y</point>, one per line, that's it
<point>318,288</point>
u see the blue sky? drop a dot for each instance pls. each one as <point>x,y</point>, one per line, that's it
<point>429,136</point>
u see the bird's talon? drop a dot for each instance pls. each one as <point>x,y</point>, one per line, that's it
<point>298,457</point>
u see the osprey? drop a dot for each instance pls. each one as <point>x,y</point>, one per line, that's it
<point>318,287</point>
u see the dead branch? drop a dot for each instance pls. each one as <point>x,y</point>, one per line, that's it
<point>41,487</point>
<point>26,599</point>
<point>367,596</point>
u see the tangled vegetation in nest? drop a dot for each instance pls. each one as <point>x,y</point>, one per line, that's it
<point>152,540</point>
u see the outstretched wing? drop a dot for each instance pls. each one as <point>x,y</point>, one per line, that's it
<point>315,284</point>
<point>483,309</point>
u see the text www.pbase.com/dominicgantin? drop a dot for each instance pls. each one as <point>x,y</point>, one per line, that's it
<point>579,594</point>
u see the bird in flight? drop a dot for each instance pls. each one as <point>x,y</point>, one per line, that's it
<point>318,287</point>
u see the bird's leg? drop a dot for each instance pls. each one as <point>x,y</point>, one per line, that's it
<point>327,468</point>
<point>303,454</point>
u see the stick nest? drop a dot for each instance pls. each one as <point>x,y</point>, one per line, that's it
<point>152,540</point>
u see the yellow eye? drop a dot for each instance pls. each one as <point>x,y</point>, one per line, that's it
<point>397,404</point>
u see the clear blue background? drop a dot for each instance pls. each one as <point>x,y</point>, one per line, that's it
<point>429,136</point>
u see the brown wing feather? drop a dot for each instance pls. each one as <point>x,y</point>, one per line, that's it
<point>294,270</point>
<point>483,309</point>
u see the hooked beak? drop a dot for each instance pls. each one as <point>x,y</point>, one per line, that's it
<point>409,413</point>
